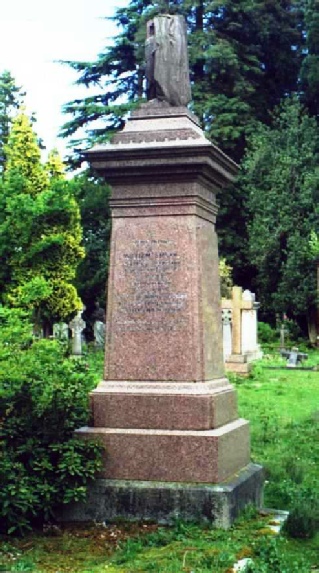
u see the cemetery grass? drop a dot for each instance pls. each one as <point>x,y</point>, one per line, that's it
<point>283,409</point>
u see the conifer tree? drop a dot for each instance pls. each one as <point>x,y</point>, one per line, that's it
<point>23,155</point>
<point>11,97</point>
<point>54,165</point>
<point>310,66</point>
<point>281,180</point>
<point>40,231</point>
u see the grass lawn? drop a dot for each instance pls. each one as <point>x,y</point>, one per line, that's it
<point>283,408</point>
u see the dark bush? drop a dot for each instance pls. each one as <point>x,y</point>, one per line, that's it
<point>303,519</point>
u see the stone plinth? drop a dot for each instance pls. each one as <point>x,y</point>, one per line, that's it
<point>165,411</point>
<point>110,500</point>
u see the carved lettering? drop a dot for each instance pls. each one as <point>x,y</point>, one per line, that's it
<point>151,302</point>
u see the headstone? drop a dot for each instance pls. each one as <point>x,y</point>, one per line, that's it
<point>244,342</point>
<point>249,342</point>
<point>165,412</point>
<point>99,333</point>
<point>61,331</point>
<point>227,332</point>
<point>77,325</point>
<point>294,357</point>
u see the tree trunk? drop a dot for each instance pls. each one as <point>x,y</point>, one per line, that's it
<point>313,333</point>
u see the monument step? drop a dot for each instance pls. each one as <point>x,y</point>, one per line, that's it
<point>207,456</point>
<point>170,406</point>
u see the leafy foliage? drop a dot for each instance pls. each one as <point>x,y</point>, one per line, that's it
<point>92,196</point>
<point>271,559</point>
<point>309,74</point>
<point>303,518</point>
<point>281,180</point>
<point>43,399</point>
<point>226,282</point>
<point>40,230</point>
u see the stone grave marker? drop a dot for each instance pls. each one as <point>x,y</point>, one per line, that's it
<point>61,331</point>
<point>241,326</point>
<point>77,325</point>
<point>294,357</point>
<point>99,333</point>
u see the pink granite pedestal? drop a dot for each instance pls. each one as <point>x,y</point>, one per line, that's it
<point>165,411</point>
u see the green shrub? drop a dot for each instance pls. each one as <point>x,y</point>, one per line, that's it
<point>270,558</point>
<point>267,334</point>
<point>43,399</point>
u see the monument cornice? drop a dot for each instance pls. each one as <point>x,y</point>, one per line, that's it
<point>164,161</point>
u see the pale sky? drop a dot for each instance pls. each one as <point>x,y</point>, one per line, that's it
<point>36,33</point>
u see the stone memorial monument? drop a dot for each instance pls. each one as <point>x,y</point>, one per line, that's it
<point>166,414</point>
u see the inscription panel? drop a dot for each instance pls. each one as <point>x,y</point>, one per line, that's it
<point>153,299</point>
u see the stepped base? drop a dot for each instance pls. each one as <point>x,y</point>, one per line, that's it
<point>208,456</point>
<point>164,405</point>
<point>110,500</point>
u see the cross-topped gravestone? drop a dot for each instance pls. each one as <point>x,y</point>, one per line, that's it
<point>294,357</point>
<point>244,345</point>
<point>77,325</point>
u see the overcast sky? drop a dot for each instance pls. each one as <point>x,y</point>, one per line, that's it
<point>35,33</point>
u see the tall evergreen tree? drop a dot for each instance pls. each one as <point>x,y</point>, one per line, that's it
<point>54,165</point>
<point>23,155</point>
<point>40,232</point>
<point>310,65</point>
<point>11,97</point>
<point>281,179</point>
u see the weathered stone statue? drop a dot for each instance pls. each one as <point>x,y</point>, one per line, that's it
<point>167,69</point>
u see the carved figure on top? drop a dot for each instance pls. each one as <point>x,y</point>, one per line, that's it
<point>167,69</point>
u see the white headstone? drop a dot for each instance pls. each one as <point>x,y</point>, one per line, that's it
<point>249,342</point>
<point>227,334</point>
